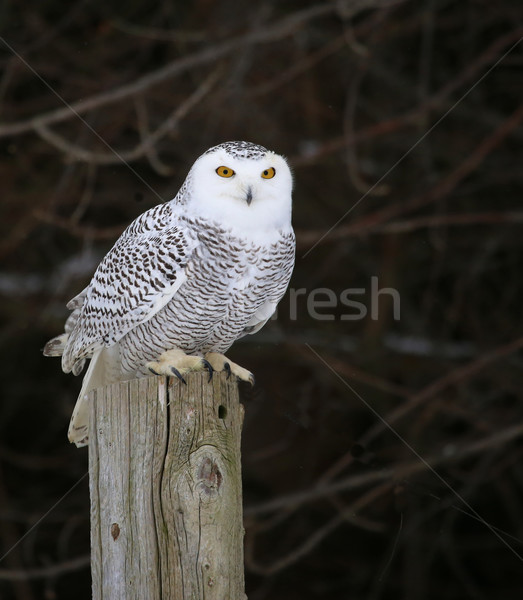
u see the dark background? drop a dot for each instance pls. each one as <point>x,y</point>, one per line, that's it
<point>402,121</point>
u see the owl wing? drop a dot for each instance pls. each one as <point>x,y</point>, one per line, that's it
<point>137,278</point>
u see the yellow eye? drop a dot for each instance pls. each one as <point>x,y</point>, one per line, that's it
<point>268,173</point>
<point>224,172</point>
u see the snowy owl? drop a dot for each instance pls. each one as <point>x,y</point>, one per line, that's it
<point>186,279</point>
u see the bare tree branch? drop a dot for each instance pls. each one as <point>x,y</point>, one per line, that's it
<point>390,475</point>
<point>369,222</point>
<point>148,142</point>
<point>67,566</point>
<point>279,30</point>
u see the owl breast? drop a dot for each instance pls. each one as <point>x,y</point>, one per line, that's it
<point>228,279</point>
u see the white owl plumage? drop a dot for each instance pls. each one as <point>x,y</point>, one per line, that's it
<point>187,278</point>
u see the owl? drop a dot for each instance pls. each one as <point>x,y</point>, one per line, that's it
<point>185,279</point>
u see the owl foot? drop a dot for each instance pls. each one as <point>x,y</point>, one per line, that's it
<point>176,362</point>
<point>219,362</point>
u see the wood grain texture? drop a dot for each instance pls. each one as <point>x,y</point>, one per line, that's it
<point>165,483</point>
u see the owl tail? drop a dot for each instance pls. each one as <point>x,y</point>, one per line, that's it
<point>103,369</point>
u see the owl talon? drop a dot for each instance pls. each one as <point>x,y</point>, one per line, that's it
<point>179,375</point>
<point>209,368</point>
<point>227,369</point>
<point>220,362</point>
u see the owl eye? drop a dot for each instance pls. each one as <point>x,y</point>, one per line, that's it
<point>268,173</point>
<point>224,172</point>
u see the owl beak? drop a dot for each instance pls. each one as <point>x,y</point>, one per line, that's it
<point>248,197</point>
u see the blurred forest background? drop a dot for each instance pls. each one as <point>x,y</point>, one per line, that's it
<point>383,456</point>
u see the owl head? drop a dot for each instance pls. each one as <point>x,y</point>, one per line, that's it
<point>242,186</point>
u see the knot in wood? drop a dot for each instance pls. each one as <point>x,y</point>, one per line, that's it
<point>115,531</point>
<point>209,477</point>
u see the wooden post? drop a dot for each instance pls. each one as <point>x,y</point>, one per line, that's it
<point>166,496</point>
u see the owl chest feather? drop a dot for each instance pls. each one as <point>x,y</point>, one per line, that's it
<point>227,280</point>
<point>231,277</point>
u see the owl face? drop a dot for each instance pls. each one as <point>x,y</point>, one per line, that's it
<point>242,186</point>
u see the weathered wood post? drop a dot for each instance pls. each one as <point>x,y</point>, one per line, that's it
<point>166,496</point>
